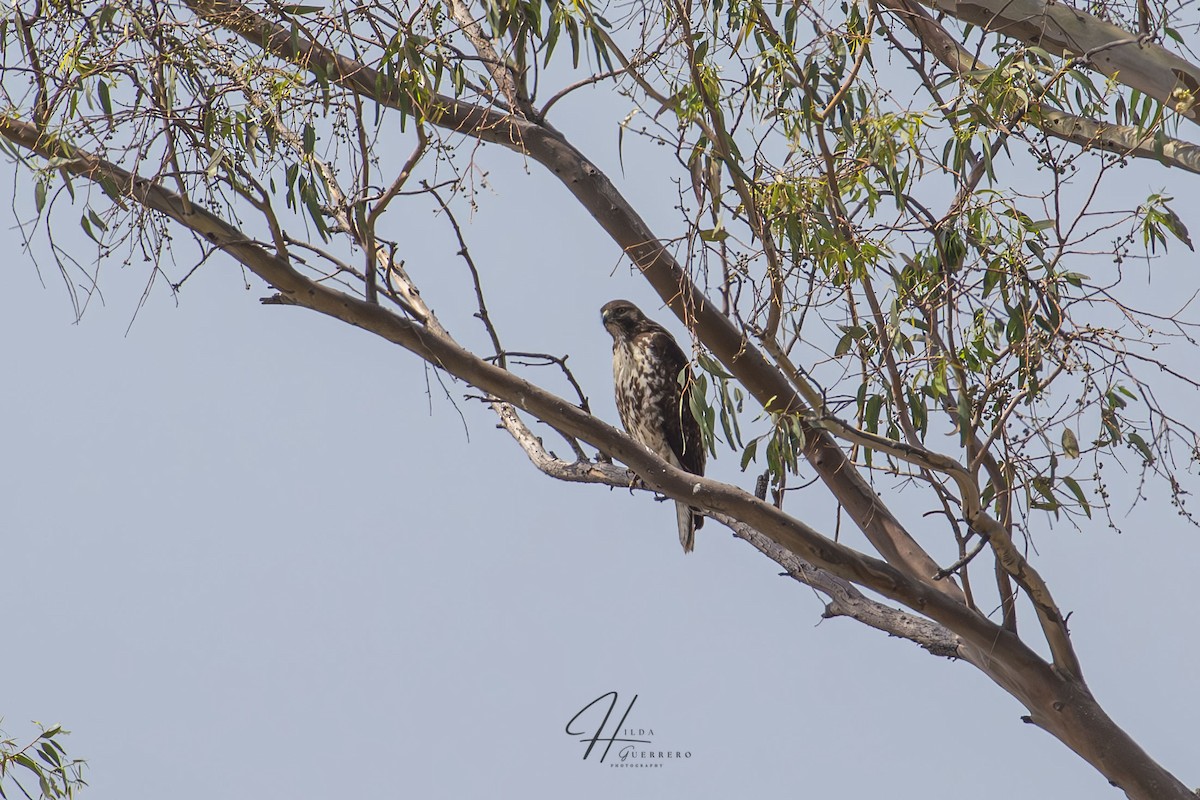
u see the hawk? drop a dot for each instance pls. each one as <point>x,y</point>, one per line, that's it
<point>653,405</point>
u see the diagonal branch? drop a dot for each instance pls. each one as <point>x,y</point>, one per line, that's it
<point>502,75</point>
<point>844,598</point>
<point>1054,624</point>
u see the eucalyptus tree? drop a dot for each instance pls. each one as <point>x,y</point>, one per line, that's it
<point>896,248</point>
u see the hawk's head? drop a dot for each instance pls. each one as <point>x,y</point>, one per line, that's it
<point>624,320</point>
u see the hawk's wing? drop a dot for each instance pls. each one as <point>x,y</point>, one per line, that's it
<point>681,429</point>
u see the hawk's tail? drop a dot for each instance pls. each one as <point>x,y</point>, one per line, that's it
<point>689,520</point>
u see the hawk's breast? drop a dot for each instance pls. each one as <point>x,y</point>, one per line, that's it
<point>646,392</point>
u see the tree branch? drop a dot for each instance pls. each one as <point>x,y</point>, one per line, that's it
<point>1056,702</point>
<point>1128,58</point>
<point>1125,140</point>
<point>845,600</point>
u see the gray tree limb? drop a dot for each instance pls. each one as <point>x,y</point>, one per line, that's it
<point>1125,140</point>
<point>844,598</point>
<point>1132,60</point>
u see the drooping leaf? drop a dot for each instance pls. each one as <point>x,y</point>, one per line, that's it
<point>1070,443</point>
<point>1076,490</point>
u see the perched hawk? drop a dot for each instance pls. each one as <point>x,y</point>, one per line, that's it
<point>650,399</point>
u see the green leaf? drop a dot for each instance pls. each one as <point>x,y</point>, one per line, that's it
<point>1073,485</point>
<point>1140,444</point>
<point>852,333</point>
<point>27,762</point>
<point>309,195</point>
<point>843,345</point>
<point>964,416</point>
<point>87,228</point>
<point>989,494</point>
<point>711,365</point>
<point>773,456</point>
<point>749,453</point>
<point>916,408</point>
<point>1070,443</point>
<point>1175,225</point>
<point>95,218</point>
<point>1015,330</point>
<point>697,391</point>
<point>105,100</point>
<point>871,413</point>
<point>799,439</point>
<point>1049,502</point>
<point>938,387</point>
<point>1042,486</point>
<point>214,163</point>
<point>726,428</point>
<point>49,755</point>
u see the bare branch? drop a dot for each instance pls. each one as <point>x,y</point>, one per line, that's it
<point>845,600</point>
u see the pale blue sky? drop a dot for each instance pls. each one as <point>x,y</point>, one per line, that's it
<point>244,558</point>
